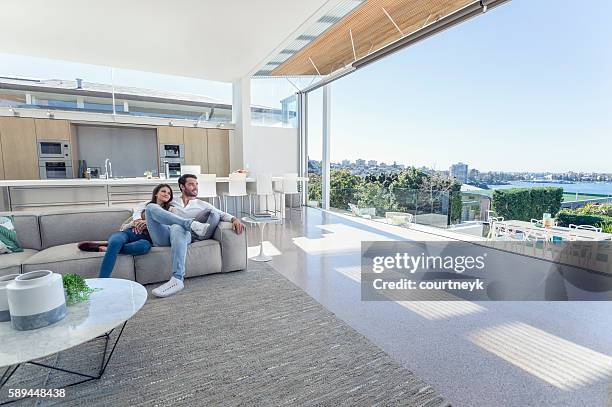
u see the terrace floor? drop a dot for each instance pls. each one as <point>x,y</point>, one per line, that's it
<point>475,354</point>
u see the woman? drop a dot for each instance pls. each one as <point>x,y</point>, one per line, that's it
<point>133,238</point>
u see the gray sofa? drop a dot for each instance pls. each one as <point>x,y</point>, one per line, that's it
<point>50,241</point>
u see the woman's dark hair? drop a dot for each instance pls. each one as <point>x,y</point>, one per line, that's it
<point>165,205</point>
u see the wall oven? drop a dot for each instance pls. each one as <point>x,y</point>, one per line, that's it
<point>50,168</point>
<point>54,149</point>
<point>172,151</point>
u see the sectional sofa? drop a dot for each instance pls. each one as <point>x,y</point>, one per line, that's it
<point>50,241</point>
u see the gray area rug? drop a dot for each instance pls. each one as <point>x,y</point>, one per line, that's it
<point>246,338</point>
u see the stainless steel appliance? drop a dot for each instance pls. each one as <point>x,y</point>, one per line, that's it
<point>53,168</point>
<point>171,158</point>
<point>172,168</point>
<point>172,151</point>
<point>54,159</point>
<point>54,149</point>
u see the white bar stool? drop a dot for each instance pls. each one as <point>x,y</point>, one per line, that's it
<point>289,186</point>
<point>263,187</point>
<point>207,187</point>
<point>236,189</point>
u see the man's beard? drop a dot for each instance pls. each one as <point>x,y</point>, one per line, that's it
<point>191,194</point>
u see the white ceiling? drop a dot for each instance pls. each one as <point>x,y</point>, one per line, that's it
<point>216,40</point>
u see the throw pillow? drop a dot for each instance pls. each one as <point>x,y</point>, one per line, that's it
<point>8,236</point>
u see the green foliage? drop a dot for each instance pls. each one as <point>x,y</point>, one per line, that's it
<point>526,203</point>
<point>595,209</point>
<point>384,179</point>
<point>373,195</point>
<point>455,207</point>
<point>569,216</point>
<point>314,187</point>
<point>76,288</point>
<point>606,227</point>
<point>343,186</point>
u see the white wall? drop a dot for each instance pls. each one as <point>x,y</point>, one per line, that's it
<point>271,150</point>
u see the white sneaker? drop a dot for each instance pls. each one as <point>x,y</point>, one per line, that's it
<point>167,289</point>
<point>199,228</point>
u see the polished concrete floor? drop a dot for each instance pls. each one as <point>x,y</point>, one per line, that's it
<point>476,354</point>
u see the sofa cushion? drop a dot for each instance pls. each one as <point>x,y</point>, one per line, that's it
<point>10,263</point>
<point>59,228</point>
<point>203,257</point>
<point>26,226</point>
<point>67,258</point>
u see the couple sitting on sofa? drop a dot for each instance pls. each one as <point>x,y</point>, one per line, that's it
<point>167,221</point>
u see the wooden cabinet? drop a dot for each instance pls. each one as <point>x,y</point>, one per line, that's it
<point>196,148</point>
<point>218,152</point>
<point>47,129</point>
<point>18,139</point>
<point>170,135</point>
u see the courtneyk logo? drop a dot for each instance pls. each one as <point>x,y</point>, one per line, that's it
<point>412,264</point>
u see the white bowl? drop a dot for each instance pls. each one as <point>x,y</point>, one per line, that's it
<point>36,299</point>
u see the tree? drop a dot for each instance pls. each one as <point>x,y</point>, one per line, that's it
<point>374,195</point>
<point>314,187</point>
<point>343,186</point>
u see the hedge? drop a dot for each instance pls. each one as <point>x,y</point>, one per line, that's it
<point>567,216</point>
<point>526,203</point>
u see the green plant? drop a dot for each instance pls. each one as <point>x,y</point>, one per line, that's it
<point>568,216</point>
<point>606,227</point>
<point>595,209</point>
<point>76,288</point>
<point>526,203</point>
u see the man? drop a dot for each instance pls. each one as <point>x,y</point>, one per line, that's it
<point>189,219</point>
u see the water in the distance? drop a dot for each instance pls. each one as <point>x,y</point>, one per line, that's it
<point>598,188</point>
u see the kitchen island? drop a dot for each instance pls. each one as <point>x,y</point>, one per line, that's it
<point>46,195</point>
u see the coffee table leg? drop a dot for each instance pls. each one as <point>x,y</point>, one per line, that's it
<point>261,256</point>
<point>8,373</point>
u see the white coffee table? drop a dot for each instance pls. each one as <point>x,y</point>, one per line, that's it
<point>107,309</point>
<point>261,222</point>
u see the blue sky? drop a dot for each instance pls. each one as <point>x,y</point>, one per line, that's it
<point>527,86</point>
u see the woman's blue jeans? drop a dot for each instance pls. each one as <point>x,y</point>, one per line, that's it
<point>126,242</point>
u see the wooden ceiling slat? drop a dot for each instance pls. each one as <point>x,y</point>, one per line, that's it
<point>371,29</point>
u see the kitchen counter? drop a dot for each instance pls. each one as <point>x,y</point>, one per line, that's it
<point>112,181</point>
<point>44,195</point>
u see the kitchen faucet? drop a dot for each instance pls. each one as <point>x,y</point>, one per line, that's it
<point>108,169</point>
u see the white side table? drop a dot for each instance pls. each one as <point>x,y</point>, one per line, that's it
<point>262,224</point>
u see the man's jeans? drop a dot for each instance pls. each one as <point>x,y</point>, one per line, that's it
<point>168,229</point>
<point>126,242</point>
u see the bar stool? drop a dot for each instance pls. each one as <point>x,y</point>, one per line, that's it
<point>207,187</point>
<point>263,187</point>
<point>236,189</point>
<point>289,186</point>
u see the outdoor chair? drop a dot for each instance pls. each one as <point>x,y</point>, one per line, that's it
<point>399,218</point>
<point>366,213</point>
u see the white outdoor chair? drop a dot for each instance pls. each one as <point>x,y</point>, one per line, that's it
<point>236,190</point>
<point>366,213</point>
<point>585,227</point>
<point>207,187</point>
<point>263,188</point>
<point>492,217</point>
<point>399,218</point>
<point>537,238</point>
<point>289,186</point>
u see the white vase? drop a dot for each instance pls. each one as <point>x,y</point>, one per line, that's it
<point>4,309</point>
<point>36,299</point>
